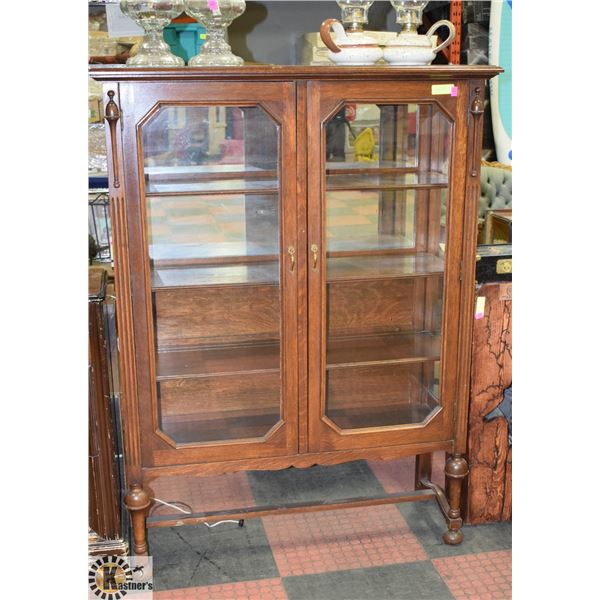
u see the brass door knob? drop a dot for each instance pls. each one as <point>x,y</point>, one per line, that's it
<point>292,253</point>
<point>315,250</point>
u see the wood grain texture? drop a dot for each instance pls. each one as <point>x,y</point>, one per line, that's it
<point>490,481</point>
<point>370,306</point>
<point>127,355</point>
<point>436,73</point>
<point>249,394</point>
<point>463,223</point>
<point>206,315</point>
<point>303,249</point>
<point>301,461</point>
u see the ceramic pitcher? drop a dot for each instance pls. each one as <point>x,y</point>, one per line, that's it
<point>411,48</point>
<point>349,47</point>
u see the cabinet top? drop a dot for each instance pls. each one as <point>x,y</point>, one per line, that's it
<point>291,72</point>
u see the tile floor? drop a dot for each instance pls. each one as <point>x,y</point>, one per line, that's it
<point>375,553</point>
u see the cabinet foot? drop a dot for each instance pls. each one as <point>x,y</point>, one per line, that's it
<point>456,470</point>
<point>453,538</point>
<point>138,502</point>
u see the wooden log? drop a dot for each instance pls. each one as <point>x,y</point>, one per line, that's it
<point>489,490</point>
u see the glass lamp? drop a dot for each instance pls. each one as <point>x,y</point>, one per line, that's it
<point>153,16</point>
<point>215,16</point>
<point>354,13</point>
<point>409,14</point>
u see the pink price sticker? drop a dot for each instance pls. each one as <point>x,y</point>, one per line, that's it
<point>454,91</point>
<point>213,5</point>
<point>480,308</point>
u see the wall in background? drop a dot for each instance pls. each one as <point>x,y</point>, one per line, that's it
<point>271,32</point>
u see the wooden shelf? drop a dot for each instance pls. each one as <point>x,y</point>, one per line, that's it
<point>381,241</point>
<point>353,268</point>
<point>379,416</point>
<point>342,268</point>
<point>210,179</point>
<point>260,273</point>
<point>385,181</point>
<point>407,166</point>
<point>217,361</point>
<point>357,351</point>
<point>232,425</point>
<point>213,188</point>
<point>188,254</point>
<point>344,352</point>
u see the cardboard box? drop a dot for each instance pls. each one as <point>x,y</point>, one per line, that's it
<point>94,110</point>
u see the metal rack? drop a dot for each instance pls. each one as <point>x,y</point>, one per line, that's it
<point>99,226</point>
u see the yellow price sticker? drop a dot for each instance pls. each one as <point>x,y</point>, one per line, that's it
<point>444,89</point>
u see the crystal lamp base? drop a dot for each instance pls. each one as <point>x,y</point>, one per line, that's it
<point>154,52</point>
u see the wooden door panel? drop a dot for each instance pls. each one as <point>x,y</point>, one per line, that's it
<point>216,338</point>
<point>385,396</point>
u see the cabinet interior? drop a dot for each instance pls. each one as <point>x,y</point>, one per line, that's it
<point>213,202</point>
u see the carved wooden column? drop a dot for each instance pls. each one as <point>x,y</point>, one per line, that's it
<point>138,502</point>
<point>456,470</point>
<point>489,493</point>
<point>456,18</point>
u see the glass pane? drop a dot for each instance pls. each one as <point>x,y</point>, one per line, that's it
<point>370,220</point>
<point>386,206</point>
<point>212,201</point>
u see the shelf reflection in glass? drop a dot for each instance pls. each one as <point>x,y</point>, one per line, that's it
<point>194,148</point>
<point>381,180</point>
<point>358,135</point>
<point>370,220</point>
<point>185,228</point>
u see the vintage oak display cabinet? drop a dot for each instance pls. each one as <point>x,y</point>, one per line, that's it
<point>294,270</point>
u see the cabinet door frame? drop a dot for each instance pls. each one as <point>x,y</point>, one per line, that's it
<point>324,99</point>
<point>137,101</point>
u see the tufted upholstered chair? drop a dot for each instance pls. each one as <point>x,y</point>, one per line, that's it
<point>496,189</point>
<point>495,192</point>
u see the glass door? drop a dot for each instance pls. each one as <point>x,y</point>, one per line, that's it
<point>220,252</point>
<point>380,277</point>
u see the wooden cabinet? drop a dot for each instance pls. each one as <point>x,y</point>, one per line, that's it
<point>294,267</point>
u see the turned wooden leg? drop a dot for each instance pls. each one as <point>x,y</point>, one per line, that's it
<point>138,502</point>
<point>456,470</point>
<point>422,469</point>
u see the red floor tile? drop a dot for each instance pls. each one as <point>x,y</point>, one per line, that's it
<point>481,576</point>
<point>395,475</point>
<point>341,539</point>
<point>262,589</point>
<point>203,494</point>
<point>399,475</point>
